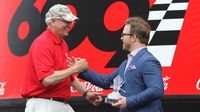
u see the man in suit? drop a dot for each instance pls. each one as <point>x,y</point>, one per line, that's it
<point>141,72</point>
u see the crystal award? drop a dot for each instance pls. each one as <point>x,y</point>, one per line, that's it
<point>117,83</point>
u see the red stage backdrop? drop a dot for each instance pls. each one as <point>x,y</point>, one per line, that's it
<point>96,37</point>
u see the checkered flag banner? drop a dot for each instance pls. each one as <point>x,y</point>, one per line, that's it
<point>166,18</point>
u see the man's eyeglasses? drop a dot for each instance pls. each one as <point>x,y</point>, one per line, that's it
<point>123,34</point>
<point>66,22</point>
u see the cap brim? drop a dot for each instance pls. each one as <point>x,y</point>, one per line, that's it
<point>70,17</point>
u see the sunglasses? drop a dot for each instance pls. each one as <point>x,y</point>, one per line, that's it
<point>66,22</point>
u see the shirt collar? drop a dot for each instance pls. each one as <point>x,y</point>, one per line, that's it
<point>53,37</point>
<point>133,53</point>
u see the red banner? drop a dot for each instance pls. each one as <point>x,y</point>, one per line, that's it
<point>174,39</point>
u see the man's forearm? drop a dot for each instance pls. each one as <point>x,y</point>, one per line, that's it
<point>58,76</point>
<point>76,84</point>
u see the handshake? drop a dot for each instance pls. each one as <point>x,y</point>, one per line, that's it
<point>78,64</point>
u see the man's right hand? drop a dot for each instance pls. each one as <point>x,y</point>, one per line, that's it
<point>94,98</point>
<point>80,64</point>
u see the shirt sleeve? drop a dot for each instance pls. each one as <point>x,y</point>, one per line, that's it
<point>43,61</point>
<point>72,77</point>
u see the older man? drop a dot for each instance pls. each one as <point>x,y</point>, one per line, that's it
<point>48,79</point>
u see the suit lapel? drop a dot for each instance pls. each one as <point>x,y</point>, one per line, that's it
<point>138,55</point>
<point>123,66</point>
<point>135,58</point>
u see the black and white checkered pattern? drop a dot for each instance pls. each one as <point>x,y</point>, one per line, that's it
<point>166,18</point>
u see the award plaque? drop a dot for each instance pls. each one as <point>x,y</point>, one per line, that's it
<point>117,83</point>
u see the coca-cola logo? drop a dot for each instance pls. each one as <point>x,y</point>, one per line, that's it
<point>165,79</point>
<point>88,86</point>
<point>198,84</point>
<point>2,89</point>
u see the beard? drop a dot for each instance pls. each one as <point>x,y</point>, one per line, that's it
<point>126,47</point>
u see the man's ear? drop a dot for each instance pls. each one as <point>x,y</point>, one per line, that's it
<point>133,38</point>
<point>52,21</point>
